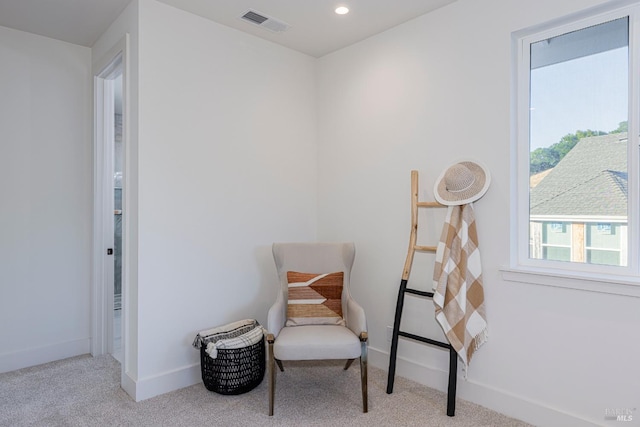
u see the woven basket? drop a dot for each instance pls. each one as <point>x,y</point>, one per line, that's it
<point>233,370</point>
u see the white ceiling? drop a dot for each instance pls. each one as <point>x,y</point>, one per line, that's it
<point>74,21</point>
<point>315,29</point>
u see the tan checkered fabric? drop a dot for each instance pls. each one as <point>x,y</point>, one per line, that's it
<point>457,278</point>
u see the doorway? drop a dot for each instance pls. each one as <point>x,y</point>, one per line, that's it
<point>109,209</point>
<point>118,162</point>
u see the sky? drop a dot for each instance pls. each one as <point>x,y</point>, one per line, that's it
<point>580,94</point>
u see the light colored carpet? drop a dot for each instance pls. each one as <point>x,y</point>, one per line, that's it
<point>85,391</point>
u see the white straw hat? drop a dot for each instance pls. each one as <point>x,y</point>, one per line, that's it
<point>462,183</point>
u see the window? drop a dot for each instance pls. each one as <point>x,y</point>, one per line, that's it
<point>556,241</point>
<point>605,244</point>
<point>576,146</point>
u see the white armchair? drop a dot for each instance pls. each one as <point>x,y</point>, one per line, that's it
<point>342,335</point>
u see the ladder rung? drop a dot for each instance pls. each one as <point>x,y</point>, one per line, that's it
<point>423,339</point>
<point>417,292</point>
<point>430,205</point>
<point>425,248</point>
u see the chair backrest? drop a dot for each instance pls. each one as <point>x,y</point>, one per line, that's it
<point>314,258</point>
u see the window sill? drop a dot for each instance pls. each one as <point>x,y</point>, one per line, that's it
<point>607,284</point>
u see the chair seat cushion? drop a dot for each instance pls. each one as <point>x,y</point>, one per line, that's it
<point>316,342</point>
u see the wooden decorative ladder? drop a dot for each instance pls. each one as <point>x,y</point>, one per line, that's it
<point>413,247</point>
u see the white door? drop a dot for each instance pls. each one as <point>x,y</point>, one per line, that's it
<point>108,209</point>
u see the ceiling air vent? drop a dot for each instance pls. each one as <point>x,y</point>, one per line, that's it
<point>265,21</point>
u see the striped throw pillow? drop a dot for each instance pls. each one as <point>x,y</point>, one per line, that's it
<point>314,299</point>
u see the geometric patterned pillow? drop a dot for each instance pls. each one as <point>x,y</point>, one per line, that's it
<point>314,299</point>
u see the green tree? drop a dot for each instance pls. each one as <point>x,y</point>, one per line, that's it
<point>622,127</point>
<point>542,159</point>
<point>545,158</point>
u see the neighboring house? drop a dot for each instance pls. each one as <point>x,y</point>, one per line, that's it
<point>534,180</point>
<point>578,212</point>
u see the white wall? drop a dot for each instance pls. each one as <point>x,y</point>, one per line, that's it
<point>422,96</point>
<point>45,193</point>
<point>227,165</point>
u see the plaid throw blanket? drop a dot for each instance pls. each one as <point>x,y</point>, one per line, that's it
<point>254,336</point>
<point>457,284</point>
<point>242,333</point>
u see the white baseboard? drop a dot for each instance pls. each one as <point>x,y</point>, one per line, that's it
<point>502,401</point>
<point>155,385</point>
<point>45,354</point>
<point>128,384</point>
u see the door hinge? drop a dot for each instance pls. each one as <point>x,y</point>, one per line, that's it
<point>110,251</point>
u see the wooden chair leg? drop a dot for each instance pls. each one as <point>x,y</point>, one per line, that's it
<point>363,371</point>
<point>279,362</point>
<point>349,362</point>
<point>272,372</point>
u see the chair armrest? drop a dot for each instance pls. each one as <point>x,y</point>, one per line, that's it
<point>277,315</point>
<point>356,319</point>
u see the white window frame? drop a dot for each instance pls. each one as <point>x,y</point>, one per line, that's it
<point>624,280</point>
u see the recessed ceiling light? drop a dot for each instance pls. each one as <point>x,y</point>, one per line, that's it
<point>342,10</point>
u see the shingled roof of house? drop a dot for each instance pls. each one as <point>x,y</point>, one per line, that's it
<point>591,180</point>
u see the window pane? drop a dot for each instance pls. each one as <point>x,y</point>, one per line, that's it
<point>556,254</point>
<point>556,233</point>
<point>602,237</point>
<point>578,143</point>
<point>603,257</point>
